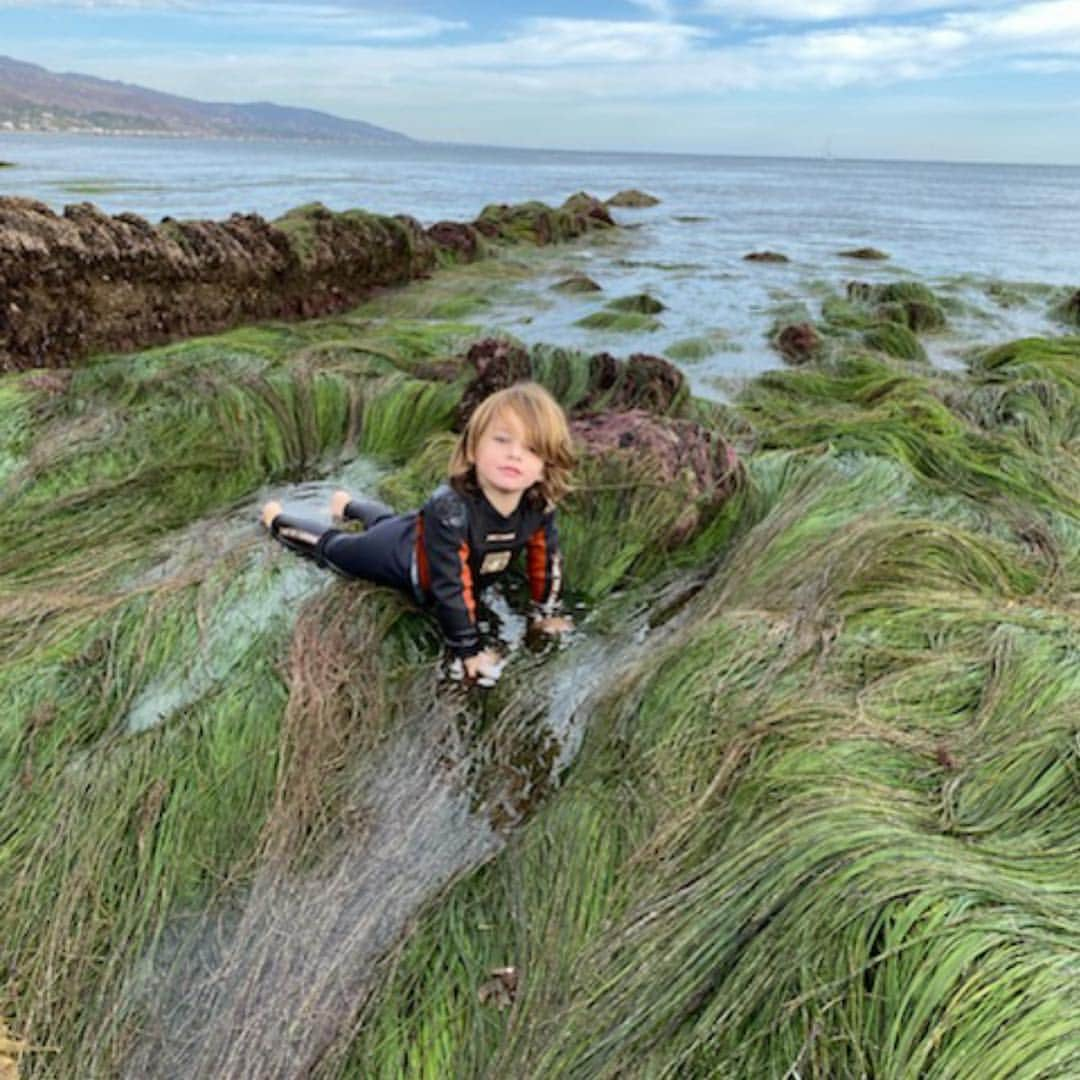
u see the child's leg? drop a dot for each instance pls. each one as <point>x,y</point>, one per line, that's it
<point>381,553</point>
<point>300,535</point>
<point>368,511</point>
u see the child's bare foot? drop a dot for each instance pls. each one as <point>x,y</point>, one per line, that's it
<point>338,501</point>
<point>269,512</point>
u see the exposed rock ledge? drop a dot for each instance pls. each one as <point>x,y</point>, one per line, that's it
<point>85,282</point>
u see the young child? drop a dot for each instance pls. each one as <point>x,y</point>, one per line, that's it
<point>509,469</point>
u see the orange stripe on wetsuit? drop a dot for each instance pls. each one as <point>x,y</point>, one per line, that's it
<point>423,569</point>
<point>536,564</point>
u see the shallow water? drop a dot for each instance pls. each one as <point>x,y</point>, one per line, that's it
<point>968,225</point>
<point>269,993</point>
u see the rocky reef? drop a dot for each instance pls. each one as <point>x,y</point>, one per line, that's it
<point>82,282</point>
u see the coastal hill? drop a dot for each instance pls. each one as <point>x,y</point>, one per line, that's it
<point>35,99</point>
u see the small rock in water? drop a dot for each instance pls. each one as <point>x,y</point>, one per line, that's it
<point>634,198</point>
<point>766,257</point>
<point>863,253</point>
<point>577,283</point>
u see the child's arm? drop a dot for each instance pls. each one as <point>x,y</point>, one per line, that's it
<point>543,563</point>
<point>445,540</point>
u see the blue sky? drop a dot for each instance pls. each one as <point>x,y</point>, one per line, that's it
<point>976,80</point>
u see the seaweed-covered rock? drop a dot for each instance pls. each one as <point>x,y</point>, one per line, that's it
<point>498,364</point>
<point>799,343</point>
<point>870,254</point>
<point>671,452</point>
<point>538,223</point>
<point>766,257</point>
<point>642,381</point>
<point>632,197</point>
<point>577,283</point>
<point>589,210</point>
<point>85,281</point>
<point>620,322</point>
<point>907,302</point>
<point>458,238</point>
<point>642,303</point>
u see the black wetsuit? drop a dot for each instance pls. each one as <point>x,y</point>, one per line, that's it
<point>444,554</point>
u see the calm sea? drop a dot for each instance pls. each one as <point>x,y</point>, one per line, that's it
<point>962,229</point>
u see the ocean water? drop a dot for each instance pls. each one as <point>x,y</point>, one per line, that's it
<point>965,230</point>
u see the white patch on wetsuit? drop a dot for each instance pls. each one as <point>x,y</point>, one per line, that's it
<point>495,562</point>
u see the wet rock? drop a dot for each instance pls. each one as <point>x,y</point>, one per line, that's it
<point>672,452</point>
<point>498,364</point>
<point>7,164</point>
<point>535,222</point>
<point>640,382</point>
<point>589,211</point>
<point>619,322</point>
<point>766,257</point>
<point>632,197</point>
<point>800,343</point>
<point>642,303</point>
<point>867,253</point>
<point>85,281</point>
<point>649,382</point>
<point>457,237</point>
<point>577,283</point>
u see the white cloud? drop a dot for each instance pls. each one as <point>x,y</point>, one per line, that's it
<point>386,70</point>
<point>576,41</point>
<point>357,21</point>
<point>802,11</point>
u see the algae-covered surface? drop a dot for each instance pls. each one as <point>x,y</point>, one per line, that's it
<point>799,797</point>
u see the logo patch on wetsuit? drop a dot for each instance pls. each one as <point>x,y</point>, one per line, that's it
<point>495,562</point>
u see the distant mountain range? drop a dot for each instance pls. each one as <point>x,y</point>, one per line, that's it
<point>34,99</point>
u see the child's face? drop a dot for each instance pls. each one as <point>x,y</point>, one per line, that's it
<point>505,464</point>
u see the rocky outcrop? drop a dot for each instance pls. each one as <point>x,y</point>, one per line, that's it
<point>81,282</point>
<point>498,364</point>
<point>766,257</point>
<point>462,240</point>
<point>642,381</point>
<point>633,198</point>
<point>538,223</point>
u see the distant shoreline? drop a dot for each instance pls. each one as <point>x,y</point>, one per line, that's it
<point>407,142</point>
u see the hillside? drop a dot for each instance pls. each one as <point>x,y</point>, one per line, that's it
<point>34,99</point>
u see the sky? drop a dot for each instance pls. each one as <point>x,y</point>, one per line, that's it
<point>954,80</point>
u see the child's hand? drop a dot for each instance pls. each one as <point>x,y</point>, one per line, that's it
<point>554,624</point>
<point>485,667</point>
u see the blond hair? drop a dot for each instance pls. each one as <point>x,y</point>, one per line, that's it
<point>546,432</point>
